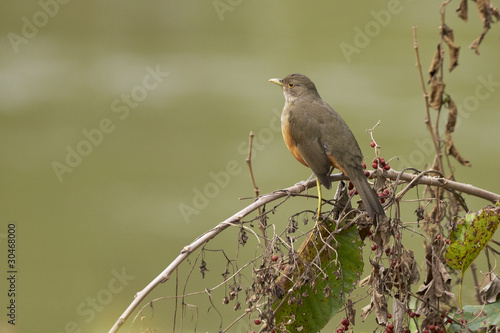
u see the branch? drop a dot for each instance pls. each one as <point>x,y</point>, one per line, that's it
<point>444,183</point>
<point>287,192</point>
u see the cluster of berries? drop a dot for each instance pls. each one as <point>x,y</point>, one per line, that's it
<point>345,325</point>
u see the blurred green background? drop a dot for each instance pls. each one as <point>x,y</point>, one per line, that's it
<point>77,77</point>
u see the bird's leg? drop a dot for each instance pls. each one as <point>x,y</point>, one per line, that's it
<point>319,198</point>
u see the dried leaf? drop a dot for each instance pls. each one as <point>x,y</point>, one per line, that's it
<point>435,63</point>
<point>383,234</point>
<point>475,44</point>
<point>452,150</point>
<point>491,291</point>
<point>437,285</point>
<point>398,313</point>
<point>452,116</point>
<point>436,95</point>
<point>351,312</point>
<point>484,10</point>
<point>380,304</point>
<point>408,260</point>
<point>496,12</point>
<point>441,277</point>
<point>450,128</point>
<point>450,41</point>
<point>463,10</point>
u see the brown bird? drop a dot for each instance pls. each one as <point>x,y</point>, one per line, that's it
<point>319,138</point>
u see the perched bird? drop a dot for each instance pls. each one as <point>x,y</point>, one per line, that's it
<point>319,138</point>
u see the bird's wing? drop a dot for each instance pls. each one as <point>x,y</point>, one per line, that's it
<point>306,134</point>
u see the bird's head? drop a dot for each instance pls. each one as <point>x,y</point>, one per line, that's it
<point>295,85</point>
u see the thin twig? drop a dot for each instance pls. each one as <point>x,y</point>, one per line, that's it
<point>262,219</point>
<point>426,99</point>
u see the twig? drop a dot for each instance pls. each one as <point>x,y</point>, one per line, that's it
<point>426,99</point>
<point>476,282</point>
<point>262,219</point>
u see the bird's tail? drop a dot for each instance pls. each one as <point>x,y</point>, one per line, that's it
<point>368,196</point>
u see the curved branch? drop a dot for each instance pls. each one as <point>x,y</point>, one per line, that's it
<point>290,191</point>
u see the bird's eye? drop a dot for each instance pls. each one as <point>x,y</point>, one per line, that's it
<point>290,84</point>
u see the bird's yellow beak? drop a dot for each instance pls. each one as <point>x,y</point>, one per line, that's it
<point>277,81</point>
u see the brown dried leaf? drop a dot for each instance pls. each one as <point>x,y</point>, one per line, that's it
<point>441,277</point>
<point>454,49</point>
<point>463,10</point>
<point>475,44</point>
<point>496,12</point>
<point>398,313</point>
<point>484,9</point>
<point>435,63</point>
<point>365,311</point>
<point>437,284</point>
<point>380,304</point>
<point>451,150</point>
<point>351,312</point>
<point>491,291</point>
<point>382,234</point>
<point>452,116</point>
<point>408,260</point>
<point>436,95</point>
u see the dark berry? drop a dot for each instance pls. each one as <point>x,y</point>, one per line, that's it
<point>374,247</point>
<point>345,321</point>
<point>363,165</point>
<point>351,186</point>
<point>257,321</point>
<point>387,167</point>
<point>275,257</point>
<point>367,173</point>
<point>372,144</point>
<point>374,165</point>
<point>389,316</point>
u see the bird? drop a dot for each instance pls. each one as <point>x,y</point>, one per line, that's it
<point>320,139</point>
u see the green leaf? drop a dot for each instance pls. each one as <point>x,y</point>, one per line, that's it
<point>470,237</point>
<point>489,316</point>
<point>319,293</point>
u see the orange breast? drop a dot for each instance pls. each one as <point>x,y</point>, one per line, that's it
<point>285,129</point>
